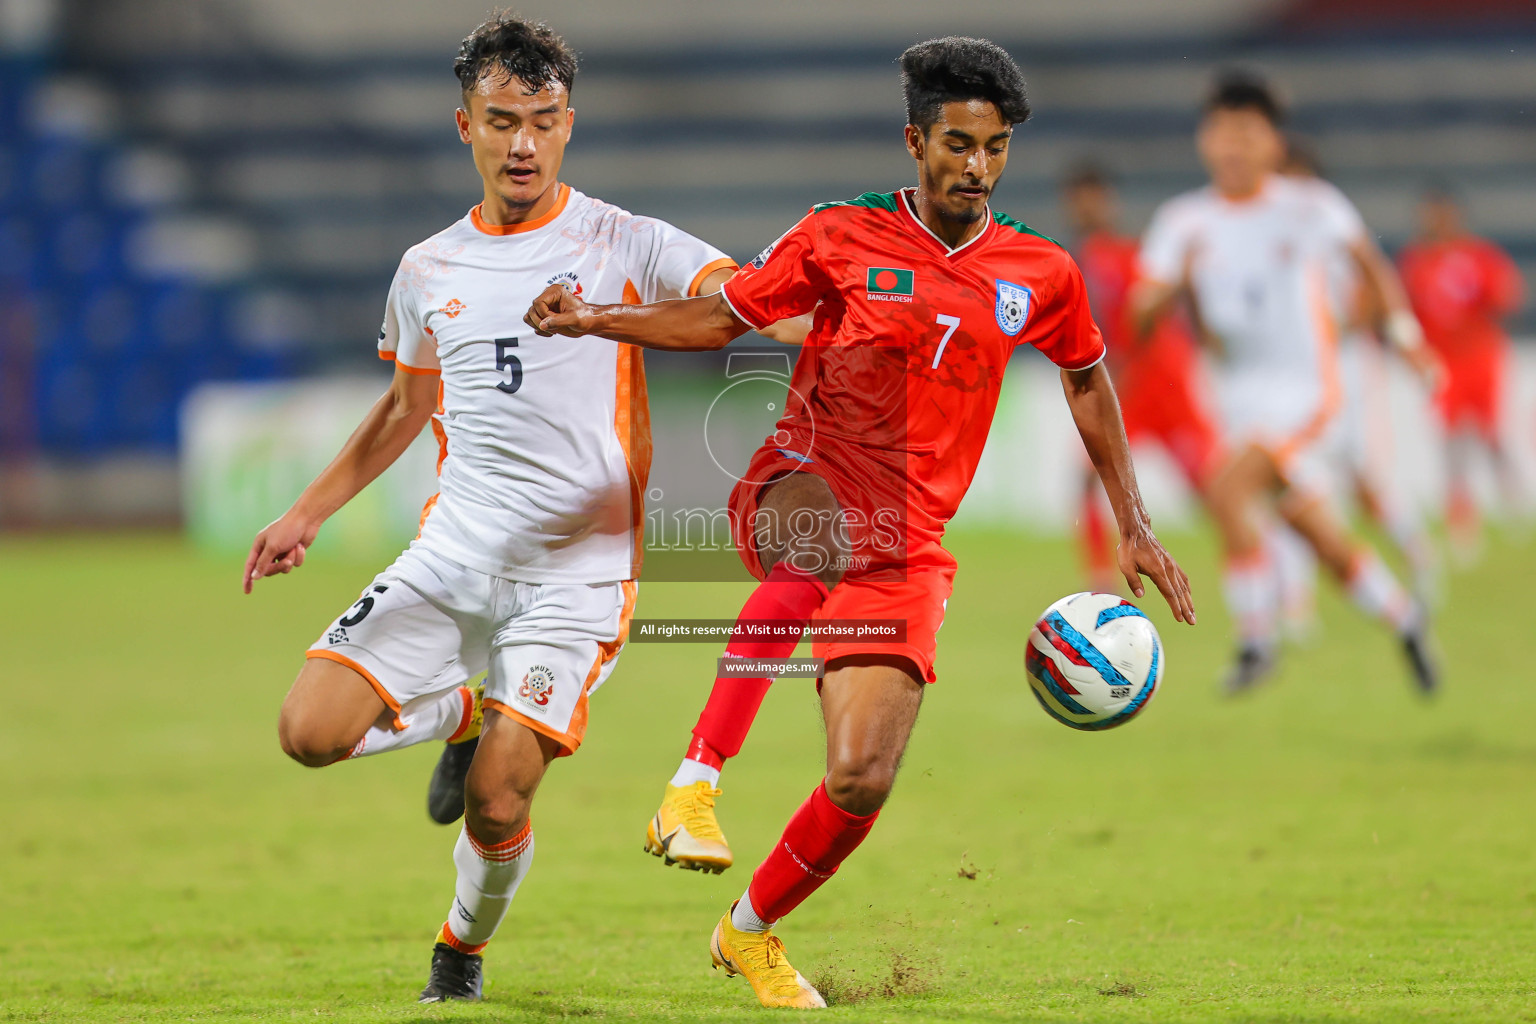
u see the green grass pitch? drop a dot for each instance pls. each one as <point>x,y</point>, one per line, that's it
<point>1329,850</point>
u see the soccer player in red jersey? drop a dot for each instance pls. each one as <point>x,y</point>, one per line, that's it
<point>1157,377</point>
<point>920,298</point>
<point>1461,287</point>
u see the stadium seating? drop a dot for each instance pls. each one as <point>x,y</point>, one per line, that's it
<point>107,343</point>
<point>303,202</point>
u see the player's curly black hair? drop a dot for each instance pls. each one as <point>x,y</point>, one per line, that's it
<point>1237,89</point>
<point>942,71</point>
<point>507,46</point>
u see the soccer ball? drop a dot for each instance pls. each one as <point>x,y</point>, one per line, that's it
<point>1094,661</point>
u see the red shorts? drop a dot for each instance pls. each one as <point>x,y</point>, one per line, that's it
<point>916,594</point>
<point>1171,410</point>
<point>1471,393</point>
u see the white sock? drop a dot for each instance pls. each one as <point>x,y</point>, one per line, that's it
<point>691,771</point>
<point>745,919</point>
<point>1252,598</point>
<point>1295,567</point>
<point>1407,531</point>
<point>488,879</point>
<point>435,717</point>
<point>1376,592</point>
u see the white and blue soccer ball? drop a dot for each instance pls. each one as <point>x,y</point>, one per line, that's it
<point>1094,661</point>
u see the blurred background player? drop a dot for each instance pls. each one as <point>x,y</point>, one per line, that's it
<point>525,563</point>
<point>921,296</point>
<point>1158,377</point>
<point>1363,440</point>
<point>1462,287</point>
<point>1254,248</point>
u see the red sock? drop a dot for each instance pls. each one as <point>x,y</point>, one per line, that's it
<point>787,594</point>
<point>817,839</point>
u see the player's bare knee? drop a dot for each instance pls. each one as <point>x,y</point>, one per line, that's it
<point>495,817</point>
<point>823,554</point>
<point>800,523</point>
<point>307,746</point>
<point>861,786</point>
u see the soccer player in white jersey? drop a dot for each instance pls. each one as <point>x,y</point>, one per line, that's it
<point>527,555</point>
<point>1253,250</point>
<point>1362,440</point>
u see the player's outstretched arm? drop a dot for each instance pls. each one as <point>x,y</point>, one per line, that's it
<point>1150,302</point>
<point>1400,327</point>
<point>385,433</point>
<point>702,323</point>
<point>1096,410</point>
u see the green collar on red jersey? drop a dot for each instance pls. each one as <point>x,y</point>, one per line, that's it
<point>887,201</point>
<point>873,200</point>
<point>1022,228</point>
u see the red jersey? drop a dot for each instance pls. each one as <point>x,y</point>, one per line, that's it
<point>1460,290</point>
<point>1110,270</point>
<point>895,387</point>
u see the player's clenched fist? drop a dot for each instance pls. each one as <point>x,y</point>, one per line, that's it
<point>557,311</point>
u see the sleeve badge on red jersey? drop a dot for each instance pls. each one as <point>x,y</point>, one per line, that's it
<point>1013,301</point>
<point>762,257</point>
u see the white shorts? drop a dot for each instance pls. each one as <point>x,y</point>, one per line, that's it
<point>427,624</point>
<point>1362,435</point>
<point>1287,416</point>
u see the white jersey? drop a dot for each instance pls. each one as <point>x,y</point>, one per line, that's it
<point>1266,271</point>
<point>544,443</point>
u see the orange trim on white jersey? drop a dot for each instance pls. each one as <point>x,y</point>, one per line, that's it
<point>438,431</point>
<point>1328,367</point>
<point>632,424</point>
<point>426,510</point>
<point>378,687</point>
<point>528,225</point>
<point>709,268</point>
<point>442,456</point>
<point>419,371</point>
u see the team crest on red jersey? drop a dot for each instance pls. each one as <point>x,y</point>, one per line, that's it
<point>762,257</point>
<point>538,687</point>
<point>1013,301</point>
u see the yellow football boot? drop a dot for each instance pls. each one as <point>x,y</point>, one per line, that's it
<point>684,832</point>
<point>471,730</point>
<point>759,957</point>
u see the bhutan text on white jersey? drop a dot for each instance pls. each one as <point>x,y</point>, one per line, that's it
<point>544,443</point>
<point>1265,271</point>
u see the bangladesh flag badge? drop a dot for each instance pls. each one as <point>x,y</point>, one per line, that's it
<point>889,284</point>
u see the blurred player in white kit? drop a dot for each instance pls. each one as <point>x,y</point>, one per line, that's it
<point>1363,441</point>
<point>1254,250</point>
<point>526,561</point>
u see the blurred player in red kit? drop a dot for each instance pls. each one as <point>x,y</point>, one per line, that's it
<point>1461,287</point>
<point>920,297</point>
<point>1158,377</point>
